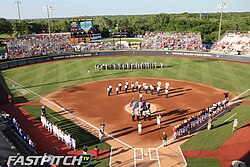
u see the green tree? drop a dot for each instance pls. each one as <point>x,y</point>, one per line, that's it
<point>5,26</point>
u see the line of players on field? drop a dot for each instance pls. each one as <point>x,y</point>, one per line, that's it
<point>139,87</point>
<point>127,66</point>
<point>56,131</point>
<point>199,118</point>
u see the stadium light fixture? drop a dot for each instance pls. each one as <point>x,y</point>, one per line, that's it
<point>48,9</point>
<point>221,6</point>
<point>18,2</point>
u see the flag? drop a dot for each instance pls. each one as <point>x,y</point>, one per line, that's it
<point>135,106</point>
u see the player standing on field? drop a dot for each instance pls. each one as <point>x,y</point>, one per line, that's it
<point>158,121</point>
<point>140,96</point>
<point>139,128</point>
<point>120,86</point>
<point>117,90</point>
<point>164,139</point>
<point>132,87</point>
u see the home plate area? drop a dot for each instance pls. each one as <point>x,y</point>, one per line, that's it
<point>146,156</point>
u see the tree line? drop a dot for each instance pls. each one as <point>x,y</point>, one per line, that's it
<point>206,24</point>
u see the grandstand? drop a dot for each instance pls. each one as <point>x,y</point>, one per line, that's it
<point>233,43</point>
<point>172,41</point>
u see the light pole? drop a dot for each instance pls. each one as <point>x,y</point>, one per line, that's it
<point>222,5</point>
<point>18,2</point>
<point>48,10</point>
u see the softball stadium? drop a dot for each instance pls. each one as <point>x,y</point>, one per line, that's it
<point>77,101</point>
<point>158,99</point>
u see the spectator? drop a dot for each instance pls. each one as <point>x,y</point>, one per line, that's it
<point>85,149</point>
<point>96,153</point>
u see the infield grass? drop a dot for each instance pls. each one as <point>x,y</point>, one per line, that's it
<point>204,162</point>
<point>221,131</point>
<point>46,78</point>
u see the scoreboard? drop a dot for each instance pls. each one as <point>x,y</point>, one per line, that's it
<point>81,28</point>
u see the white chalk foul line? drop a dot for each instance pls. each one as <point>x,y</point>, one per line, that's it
<point>168,141</point>
<point>230,117</point>
<point>54,117</point>
<point>182,156</point>
<point>158,158</point>
<point>212,119</point>
<point>110,157</point>
<point>61,108</point>
<point>240,95</point>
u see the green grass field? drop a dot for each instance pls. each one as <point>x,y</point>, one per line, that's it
<point>49,77</point>
<point>204,162</point>
<point>46,78</point>
<point>221,131</point>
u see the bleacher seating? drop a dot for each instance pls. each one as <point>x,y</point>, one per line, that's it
<point>233,43</point>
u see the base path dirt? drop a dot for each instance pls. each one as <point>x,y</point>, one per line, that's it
<point>235,148</point>
<point>246,102</point>
<point>90,102</point>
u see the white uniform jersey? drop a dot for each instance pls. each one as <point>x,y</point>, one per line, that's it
<point>140,128</point>
<point>158,88</point>
<point>158,120</point>
<point>73,143</point>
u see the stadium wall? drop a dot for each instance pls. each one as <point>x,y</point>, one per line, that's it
<point>32,60</point>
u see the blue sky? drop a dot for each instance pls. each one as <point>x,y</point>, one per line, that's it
<point>74,8</point>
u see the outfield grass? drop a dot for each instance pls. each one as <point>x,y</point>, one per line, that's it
<point>221,131</point>
<point>203,162</point>
<point>48,77</point>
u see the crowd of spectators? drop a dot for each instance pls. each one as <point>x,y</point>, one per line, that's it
<point>233,43</point>
<point>12,122</point>
<point>199,118</point>
<point>172,41</point>
<point>83,47</point>
<point>36,45</point>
